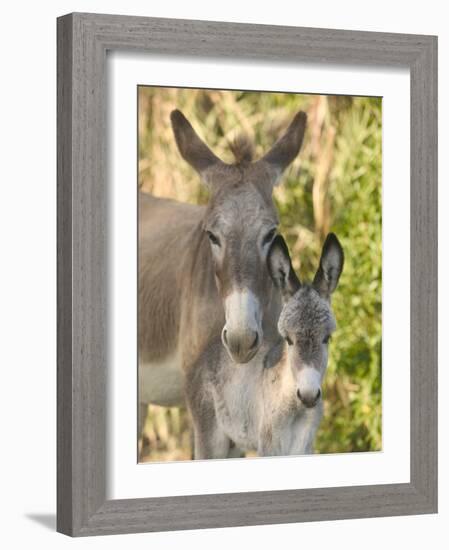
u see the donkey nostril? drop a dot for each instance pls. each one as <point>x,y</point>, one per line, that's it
<point>309,403</point>
<point>225,336</point>
<point>255,342</point>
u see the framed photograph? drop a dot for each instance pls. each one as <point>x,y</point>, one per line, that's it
<point>247,274</point>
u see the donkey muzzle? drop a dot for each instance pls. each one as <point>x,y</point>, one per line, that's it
<point>309,386</point>
<point>308,401</point>
<point>242,347</point>
<point>242,333</point>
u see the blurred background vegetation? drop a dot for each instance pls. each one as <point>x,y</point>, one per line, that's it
<point>335,184</point>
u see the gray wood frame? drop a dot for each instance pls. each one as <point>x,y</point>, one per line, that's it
<point>83,40</point>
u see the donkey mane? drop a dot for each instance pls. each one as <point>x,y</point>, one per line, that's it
<point>243,149</point>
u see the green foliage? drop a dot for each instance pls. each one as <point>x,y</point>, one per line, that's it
<point>334,185</point>
<point>353,415</point>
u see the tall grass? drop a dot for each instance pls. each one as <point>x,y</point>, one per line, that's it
<point>334,185</point>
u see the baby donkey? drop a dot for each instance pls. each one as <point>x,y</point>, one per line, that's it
<point>272,404</point>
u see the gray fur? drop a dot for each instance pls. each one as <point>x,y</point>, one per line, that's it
<point>307,319</point>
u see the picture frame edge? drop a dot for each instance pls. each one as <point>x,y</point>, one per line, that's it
<point>82,508</point>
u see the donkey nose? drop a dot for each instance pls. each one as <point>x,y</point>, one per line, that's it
<point>241,345</point>
<point>307,399</point>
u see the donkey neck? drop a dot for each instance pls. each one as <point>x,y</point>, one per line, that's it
<point>252,397</point>
<point>268,373</point>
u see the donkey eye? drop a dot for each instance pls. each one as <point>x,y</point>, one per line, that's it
<point>326,339</point>
<point>213,238</point>
<point>269,236</point>
<point>288,340</point>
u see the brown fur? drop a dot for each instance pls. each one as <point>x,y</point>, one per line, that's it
<point>161,282</point>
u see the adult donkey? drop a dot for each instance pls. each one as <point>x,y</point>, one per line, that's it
<point>203,279</point>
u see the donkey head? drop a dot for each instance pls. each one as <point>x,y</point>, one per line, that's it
<point>306,321</point>
<point>240,224</point>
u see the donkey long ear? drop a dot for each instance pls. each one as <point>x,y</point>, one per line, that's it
<point>330,268</point>
<point>191,147</point>
<point>280,268</point>
<point>287,147</point>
